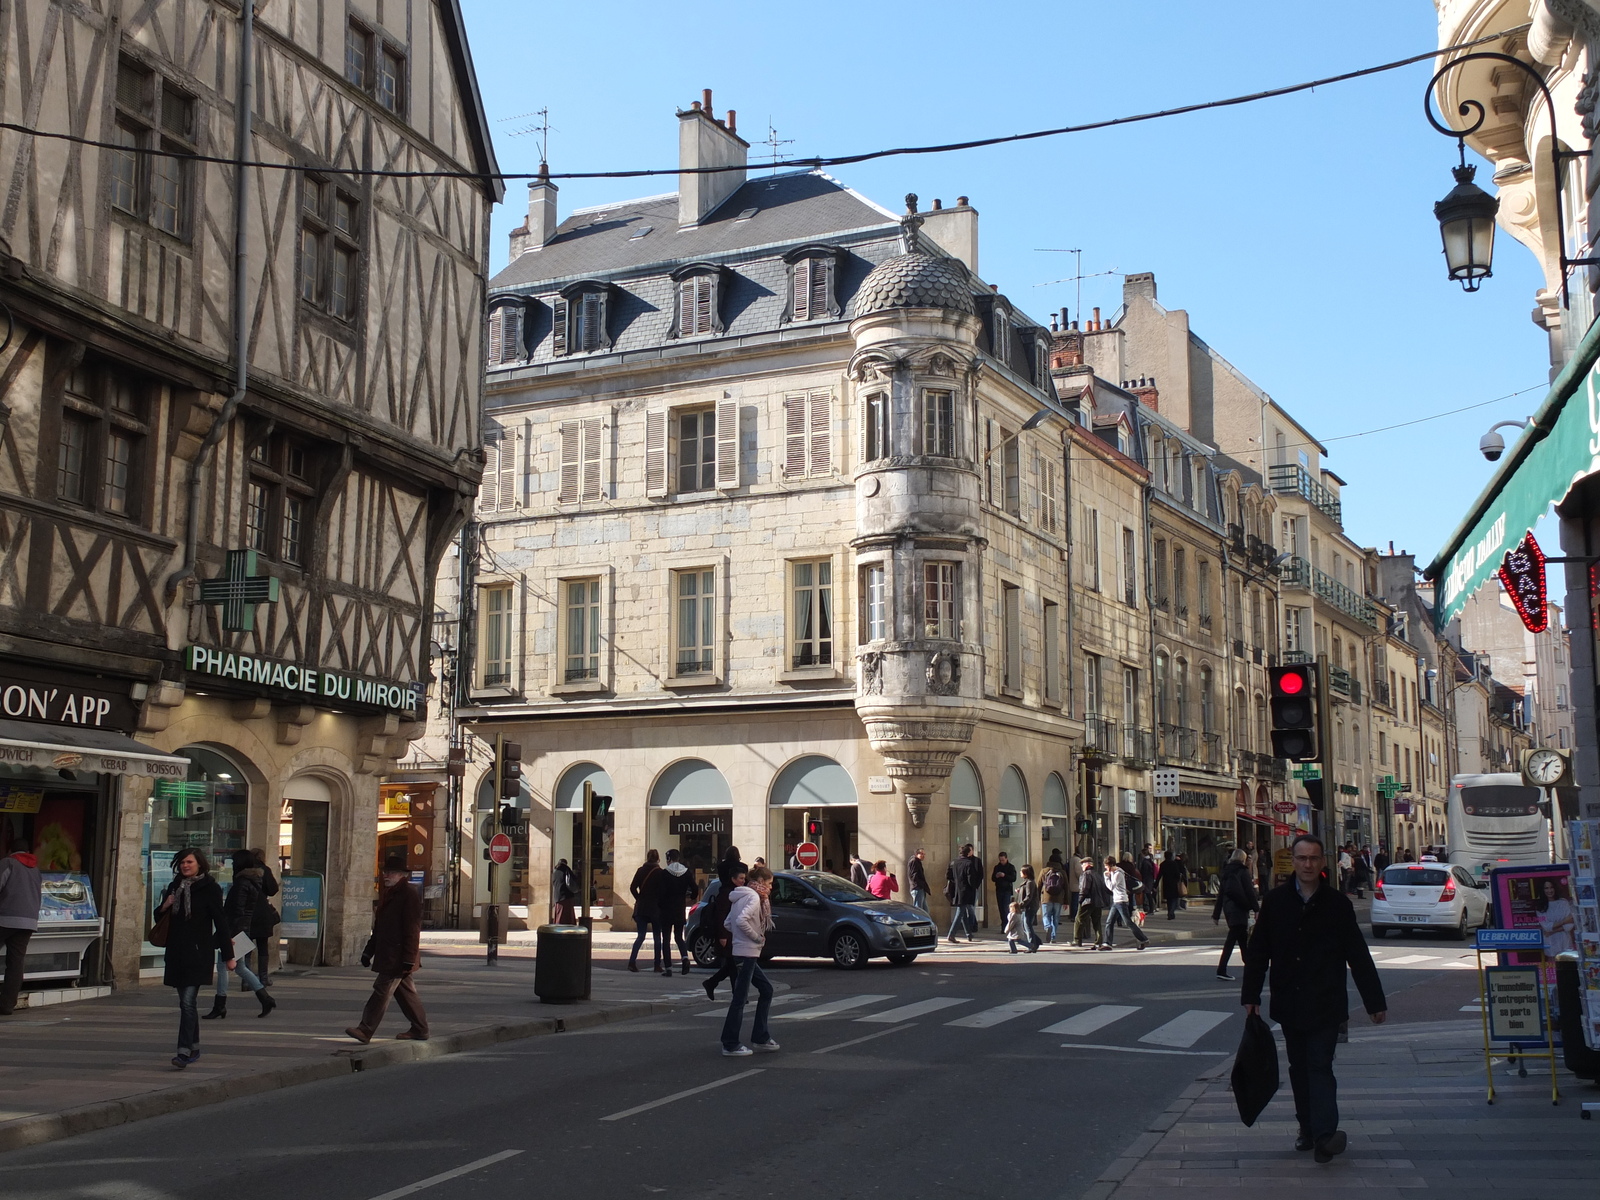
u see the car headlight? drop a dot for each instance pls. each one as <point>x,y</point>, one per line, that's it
<point>883,919</point>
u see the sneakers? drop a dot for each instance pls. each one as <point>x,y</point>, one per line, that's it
<point>1328,1146</point>
<point>737,1052</point>
<point>1224,976</point>
<point>767,1047</point>
<point>1105,948</point>
<point>184,1057</point>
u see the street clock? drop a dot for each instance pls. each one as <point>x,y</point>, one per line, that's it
<point>1546,767</point>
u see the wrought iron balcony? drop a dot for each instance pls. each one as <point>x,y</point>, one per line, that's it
<point>1179,743</point>
<point>1211,751</point>
<point>1291,479</point>
<point>1297,572</point>
<point>1138,746</point>
<point>1099,733</point>
<point>1292,658</point>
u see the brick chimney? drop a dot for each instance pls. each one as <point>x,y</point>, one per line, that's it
<point>954,230</point>
<point>704,141</point>
<point>535,233</point>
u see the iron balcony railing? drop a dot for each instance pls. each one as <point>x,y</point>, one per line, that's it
<point>1179,743</point>
<point>1291,479</point>
<point>1100,733</point>
<point>1138,746</point>
<point>1211,750</point>
<point>1297,572</point>
<point>1293,658</point>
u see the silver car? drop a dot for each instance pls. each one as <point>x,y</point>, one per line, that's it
<point>1428,895</point>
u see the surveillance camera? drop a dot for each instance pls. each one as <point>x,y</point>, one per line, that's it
<point>1491,445</point>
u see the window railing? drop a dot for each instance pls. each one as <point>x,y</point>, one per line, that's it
<point>1211,749</point>
<point>809,656</point>
<point>1292,658</point>
<point>694,663</point>
<point>1100,733</point>
<point>579,674</point>
<point>1380,693</point>
<point>496,678</point>
<point>1179,743</point>
<point>1138,745</point>
<point>1291,479</point>
<point>1297,572</point>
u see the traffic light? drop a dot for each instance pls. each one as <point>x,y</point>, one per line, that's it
<point>1293,696</point>
<point>813,831</point>
<point>510,770</point>
<point>601,805</point>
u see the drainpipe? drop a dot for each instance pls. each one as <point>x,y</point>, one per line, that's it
<point>243,111</point>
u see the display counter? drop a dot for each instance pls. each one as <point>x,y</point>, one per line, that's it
<point>69,923</point>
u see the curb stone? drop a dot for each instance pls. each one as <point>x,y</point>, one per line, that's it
<point>51,1127</point>
<point>1110,1180</point>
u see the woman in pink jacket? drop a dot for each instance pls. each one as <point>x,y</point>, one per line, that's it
<point>880,883</point>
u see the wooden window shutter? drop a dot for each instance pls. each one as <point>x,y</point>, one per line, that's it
<point>594,311</point>
<point>704,294</point>
<point>794,436</point>
<point>821,287</point>
<point>655,453</point>
<point>496,334</point>
<point>571,452</point>
<point>991,449</point>
<point>559,329</point>
<point>506,475</point>
<point>685,307</point>
<point>821,434</point>
<point>863,420</point>
<point>491,471</point>
<point>511,335</point>
<point>801,307</point>
<point>593,428</point>
<point>727,443</point>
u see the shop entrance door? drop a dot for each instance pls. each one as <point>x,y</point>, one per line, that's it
<point>834,828</point>
<point>307,856</point>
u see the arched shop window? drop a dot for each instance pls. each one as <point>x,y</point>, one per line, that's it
<point>966,810</point>
<point>566,839</point>
<point>1054,826</point>
<point>691,810</point>
<point>1014,817</point>
<point>209,811</point>
<point>814,799</point>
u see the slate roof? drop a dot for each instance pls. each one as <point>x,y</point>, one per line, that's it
<point>602,241</point>
<point>915,281</point>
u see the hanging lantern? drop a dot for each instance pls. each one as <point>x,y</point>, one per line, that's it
<point>1466,223</point>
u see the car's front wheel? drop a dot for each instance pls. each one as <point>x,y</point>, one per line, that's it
<point>902,960</point>
<point>849,950</point>
<point>705,950</point>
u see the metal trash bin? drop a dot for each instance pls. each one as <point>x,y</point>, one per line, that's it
<point>561,964</point>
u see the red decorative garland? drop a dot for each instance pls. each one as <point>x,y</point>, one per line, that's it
<point>1522,575</point>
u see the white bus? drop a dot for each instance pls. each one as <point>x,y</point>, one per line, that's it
<point>1495,821</point>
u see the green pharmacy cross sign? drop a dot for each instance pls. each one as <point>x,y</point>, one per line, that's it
<point>238,590</point>
<point>1389,787</point>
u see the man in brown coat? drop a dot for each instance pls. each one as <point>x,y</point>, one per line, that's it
<point>393,952</point>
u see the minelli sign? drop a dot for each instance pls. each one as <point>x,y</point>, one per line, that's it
<point>297,681</point>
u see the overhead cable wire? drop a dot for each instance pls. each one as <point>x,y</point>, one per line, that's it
<point>814,163</point>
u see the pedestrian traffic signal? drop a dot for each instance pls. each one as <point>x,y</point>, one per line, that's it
<point>1292,695</point>
<point>813,831</point>
<point>600,805</point>
<point>510,770</point>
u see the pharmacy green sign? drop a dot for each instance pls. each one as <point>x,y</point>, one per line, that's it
<point>1558,449</point>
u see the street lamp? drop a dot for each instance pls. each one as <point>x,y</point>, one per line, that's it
<point>1466,223</point>
<point>1466,215</point>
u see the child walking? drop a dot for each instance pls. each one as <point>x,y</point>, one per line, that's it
<point>1017,930</point>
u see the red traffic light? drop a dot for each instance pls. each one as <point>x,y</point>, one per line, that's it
<point>1292,684</point>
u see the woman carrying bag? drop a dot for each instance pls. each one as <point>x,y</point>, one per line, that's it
<point>194,932</point>
<point>242,913</point>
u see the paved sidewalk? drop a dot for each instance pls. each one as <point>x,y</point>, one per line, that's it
<point>69,1068</point>
<point>1412,1099</point>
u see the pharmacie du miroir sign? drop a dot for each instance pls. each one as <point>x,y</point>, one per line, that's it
<point>314,684</point>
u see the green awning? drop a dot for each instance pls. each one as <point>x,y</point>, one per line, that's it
<point>1561,447</point>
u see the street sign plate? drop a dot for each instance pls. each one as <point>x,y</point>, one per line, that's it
<point>1510,939</point>
<point>500,849</point>
<point>1166,783</point>
<point>1285,807</point>
<point>807,854</point>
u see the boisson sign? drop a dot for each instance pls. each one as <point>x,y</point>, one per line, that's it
<point>314,683</point>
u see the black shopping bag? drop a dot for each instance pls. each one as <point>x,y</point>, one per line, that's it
<point>1255,1069</point>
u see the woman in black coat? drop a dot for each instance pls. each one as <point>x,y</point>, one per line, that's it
<point>196,932</point>
<point>1172,875</point>
<point>242,912</point>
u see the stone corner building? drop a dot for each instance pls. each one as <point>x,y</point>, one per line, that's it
<point>142,716</point>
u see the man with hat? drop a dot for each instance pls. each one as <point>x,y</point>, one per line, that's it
<point>393,951</point>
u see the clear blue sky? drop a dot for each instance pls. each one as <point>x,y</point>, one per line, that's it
<point>1297,232</point>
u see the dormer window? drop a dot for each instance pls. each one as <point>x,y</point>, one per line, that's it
<point>507,334</point>
<point>811,283</point>
<point>1000,335</point>
<point>580,323</point>
<point>697,308</point>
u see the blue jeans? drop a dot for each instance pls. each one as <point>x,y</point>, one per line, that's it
<point>188,1019</point>
<point>246,975</point>
<point>963,912</point>
<point>1050,913</point>
<point>663,953</point>
<point>1316,1091</point>
<point>1119,912</point>
<point>919,899</point>
<point>749,969</point>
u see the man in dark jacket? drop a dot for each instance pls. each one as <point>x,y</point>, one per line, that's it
<point>1094,901</point>
<point>1306,934</point>
<point>564,895</point>
<point>20,893</point>
<point>393,951</point>
<point>1004,878</point>
<point>917,879</point>
<point>1236,900</point>
<point>962,886</point>
<point>677,891</point>
<point>1147,877</point>
<point>266,920</point>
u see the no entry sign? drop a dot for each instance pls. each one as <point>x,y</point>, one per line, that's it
<point>500,849</point>
<point>807,854</point>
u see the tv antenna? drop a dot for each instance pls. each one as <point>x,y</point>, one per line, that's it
<point>1076,278</point>
<point>775,142</point>
<point>540,127</point>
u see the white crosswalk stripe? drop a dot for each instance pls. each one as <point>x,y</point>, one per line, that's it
<point>834,1007</point>
<point>1185,1030</point>
<point>777,1001</point>
<point>1408,958</point>
<point>1092,1020</point>
<point>905,1012</point>
<point>1000,1013</point>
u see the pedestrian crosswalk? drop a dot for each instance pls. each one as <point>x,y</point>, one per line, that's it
<point>1142,1026</point>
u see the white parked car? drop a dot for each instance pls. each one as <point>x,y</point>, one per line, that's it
<point>1429,895</point>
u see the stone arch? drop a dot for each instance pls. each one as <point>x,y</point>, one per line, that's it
<point>812,780</point>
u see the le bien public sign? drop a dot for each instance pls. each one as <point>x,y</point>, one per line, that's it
<point>301,683</point>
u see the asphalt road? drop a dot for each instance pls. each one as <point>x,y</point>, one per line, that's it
<point>960,1075</point>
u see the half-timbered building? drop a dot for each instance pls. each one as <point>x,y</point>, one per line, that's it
<point>232,451</point>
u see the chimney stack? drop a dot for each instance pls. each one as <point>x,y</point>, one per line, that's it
<point>1144,391</point>
<point>954,230</point>
<point>540,226</point>
<point>704,141</point>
